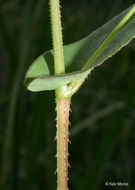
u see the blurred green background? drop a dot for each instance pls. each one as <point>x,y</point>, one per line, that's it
<point>102,128</point>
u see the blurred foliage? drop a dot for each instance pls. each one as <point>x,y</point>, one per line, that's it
<point>103,111</point>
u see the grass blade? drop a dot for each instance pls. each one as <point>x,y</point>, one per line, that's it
<point>95,117</point>
<point>16,87</point>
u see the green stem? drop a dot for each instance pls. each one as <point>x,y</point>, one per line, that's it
<point>57,37</point>
<point>62,101</point>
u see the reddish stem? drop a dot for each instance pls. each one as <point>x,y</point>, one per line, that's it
<point>63,107</point>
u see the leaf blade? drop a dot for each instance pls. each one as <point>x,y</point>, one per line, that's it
<point>82,56</point>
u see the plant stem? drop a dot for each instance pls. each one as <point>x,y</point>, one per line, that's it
<point>59,66</point>
<point>63,106</point>
<point>62,101</point>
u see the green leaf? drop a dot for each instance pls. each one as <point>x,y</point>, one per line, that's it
<point>82,56</point>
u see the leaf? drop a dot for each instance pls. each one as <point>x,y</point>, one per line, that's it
<point>82,56</point>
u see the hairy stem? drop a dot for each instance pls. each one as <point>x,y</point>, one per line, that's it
<point>62,101</point>
<point>63,106</point>
<point>59,66</point>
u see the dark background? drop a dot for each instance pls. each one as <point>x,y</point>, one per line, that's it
<point>102,128</point>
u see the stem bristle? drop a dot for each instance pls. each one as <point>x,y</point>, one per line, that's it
<point>62,142</point>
